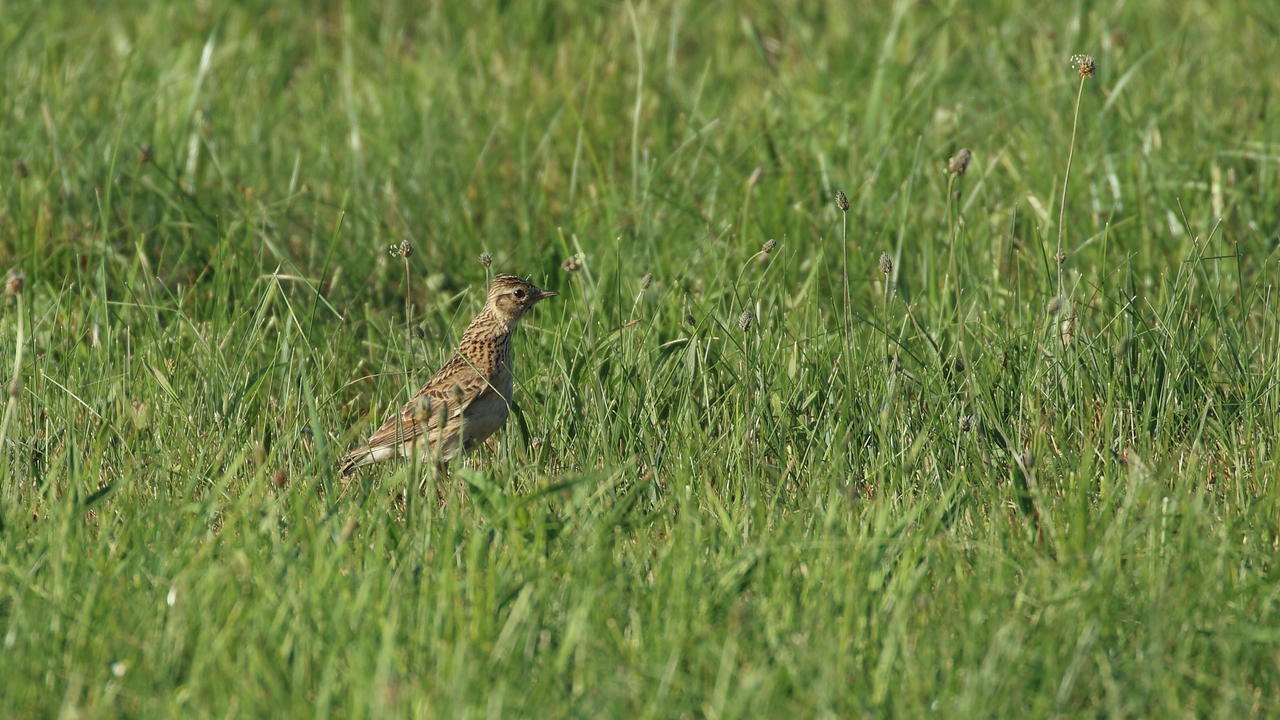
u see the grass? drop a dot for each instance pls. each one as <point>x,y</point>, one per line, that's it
<point>1018,512</point>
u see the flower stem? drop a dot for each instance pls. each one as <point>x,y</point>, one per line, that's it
<point>1066,180</point>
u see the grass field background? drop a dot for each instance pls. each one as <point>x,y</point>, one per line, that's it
<point>985,484</point>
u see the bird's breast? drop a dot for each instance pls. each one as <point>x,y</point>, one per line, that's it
<point>484,417</point>
<point>504,383</point>
<point>486,414</point>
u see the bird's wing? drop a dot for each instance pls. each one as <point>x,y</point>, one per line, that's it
<point>437,405</point>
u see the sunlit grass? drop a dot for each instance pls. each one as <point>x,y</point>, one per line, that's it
<point>988,482</point>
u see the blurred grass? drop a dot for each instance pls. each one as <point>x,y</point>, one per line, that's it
<point>941,507</point>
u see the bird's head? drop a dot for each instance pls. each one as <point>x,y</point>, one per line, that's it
<point>510,297</point>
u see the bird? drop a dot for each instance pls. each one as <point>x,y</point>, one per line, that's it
<point>468,399</point>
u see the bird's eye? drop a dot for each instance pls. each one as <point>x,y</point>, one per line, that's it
<point>520,293</point>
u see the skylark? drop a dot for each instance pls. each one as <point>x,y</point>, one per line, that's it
<point>469,398</point>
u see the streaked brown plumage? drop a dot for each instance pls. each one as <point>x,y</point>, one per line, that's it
<point>469,398</point>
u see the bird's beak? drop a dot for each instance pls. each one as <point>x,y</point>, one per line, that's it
<point>544,294</point>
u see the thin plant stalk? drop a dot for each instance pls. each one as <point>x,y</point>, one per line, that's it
<point>1066,180</point>
<point>884,305</point>
<point>844,245</point>
<point>408,293</point>
<point>953,272</point>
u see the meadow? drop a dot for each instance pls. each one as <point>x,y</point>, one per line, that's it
<point>986,442</point>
